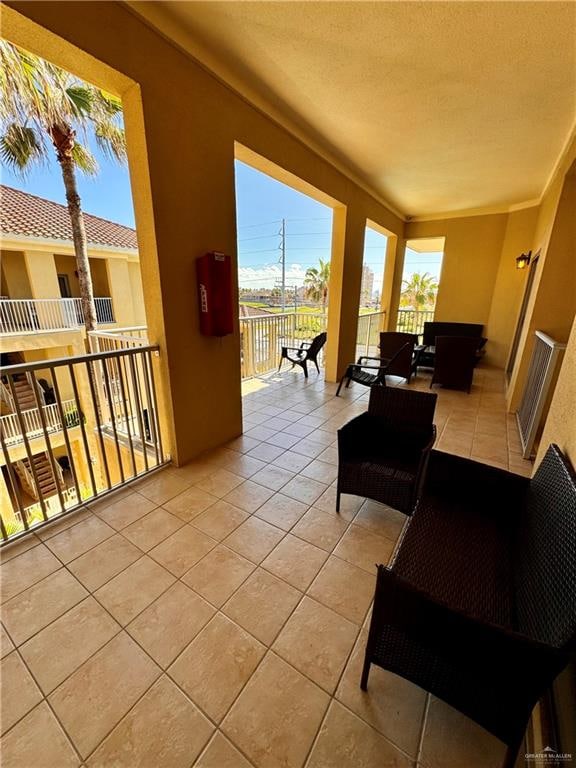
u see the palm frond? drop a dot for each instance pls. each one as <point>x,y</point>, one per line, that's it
<point>81,99</point>
<point>20,147</point>
<point>111,139</point>
<point>37,93</point>
<point>111,104</point>
<point>84,160</point>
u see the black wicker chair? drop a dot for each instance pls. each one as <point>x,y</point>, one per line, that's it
<point>478,604</point>
<point>305,353</point>
<point>370,375</point>
<point>404,364</point>
<point>383,454</point>
<point>454,361</point>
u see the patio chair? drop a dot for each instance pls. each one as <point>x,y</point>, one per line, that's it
<point>305,353</point>
<point>405,363</point>
<point>361,372</point>
<point>454,361</point>
<point>383,454</point>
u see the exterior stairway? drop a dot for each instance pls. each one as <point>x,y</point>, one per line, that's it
<point>24,392</point>
<point>22,384</point>
<point>46,479</point>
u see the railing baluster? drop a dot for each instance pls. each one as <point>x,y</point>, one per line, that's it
<point>83,430</point>
<point>151,406</point>
<point>29,453</point>
<point>134,373</point>
<point>155,400</point>
<point>63,419</point>
<point>126,417</point>
<point>95,406</point>
<point>111,405</point>
<point>49,451</point>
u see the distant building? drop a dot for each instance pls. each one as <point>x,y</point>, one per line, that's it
<point>367,287</point>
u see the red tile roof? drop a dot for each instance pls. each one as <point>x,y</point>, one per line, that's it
<point>31,216</point>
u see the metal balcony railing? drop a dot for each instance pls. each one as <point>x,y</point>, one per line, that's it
<point>106,417</point>
<point>36,315</point>
<point>412,320</point>
<point>262,337</point>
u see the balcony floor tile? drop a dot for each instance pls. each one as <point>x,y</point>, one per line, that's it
<point>189,681</point>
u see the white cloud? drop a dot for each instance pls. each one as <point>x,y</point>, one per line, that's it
<point>268,276</point>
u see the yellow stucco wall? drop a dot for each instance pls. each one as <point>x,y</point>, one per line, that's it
<point>99,272</point>
<point>552,305</point>
<point>192,204</point>
<point>120,287</point>
<point>509,285</point>
<point>15,281</point>
<point>137,293</point>
<point>42,276</point>
<point>471,258</point>
<point>66,265</point>
<point>34,274</point>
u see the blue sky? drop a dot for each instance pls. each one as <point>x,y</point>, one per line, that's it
<point>262,202</point>
<point>107,195</point>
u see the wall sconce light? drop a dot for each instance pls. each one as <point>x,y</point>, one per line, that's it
<point>523,260</point>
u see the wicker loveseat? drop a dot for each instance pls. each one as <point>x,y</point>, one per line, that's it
<point>433,329</point>
<point>478,605</point>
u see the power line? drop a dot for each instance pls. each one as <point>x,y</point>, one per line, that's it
<point>264,224</point>
<point>258,237</point>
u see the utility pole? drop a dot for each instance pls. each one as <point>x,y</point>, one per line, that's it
<point>283,262</point>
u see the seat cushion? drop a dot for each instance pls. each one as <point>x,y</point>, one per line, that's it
<point>460,556</point>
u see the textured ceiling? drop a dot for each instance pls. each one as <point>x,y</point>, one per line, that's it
<point>436,106</point>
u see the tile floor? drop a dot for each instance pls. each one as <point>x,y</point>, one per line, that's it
<point>216,615</point>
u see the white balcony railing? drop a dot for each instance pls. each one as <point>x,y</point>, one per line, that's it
<point>412,320</point>
<point>262,338</point>
<point>118,338</point>
<point>36,315</point>
<point>12,427</point>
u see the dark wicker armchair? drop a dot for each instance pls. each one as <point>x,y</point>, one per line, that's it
<point>454,361</point>
<point>305,353</point>
<point>404,364</point>
<point>370,374</point>
<point>383,454</point>
<point>478,605</point>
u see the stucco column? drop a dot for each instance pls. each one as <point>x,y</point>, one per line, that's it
<point>396,287</point>
<point>121,291</point>
<point>345,281</point>
<point>42,275</point>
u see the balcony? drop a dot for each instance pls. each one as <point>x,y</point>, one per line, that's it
<point>18,316</point>
<point>31,422</point>
<point>240,550</point>
<point>101,432</point>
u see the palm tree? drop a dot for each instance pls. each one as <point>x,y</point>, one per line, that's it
<point>41,104</point>
<point>316,282</point>
<point>420,291</point>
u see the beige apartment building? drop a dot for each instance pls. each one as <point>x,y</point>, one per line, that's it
<point>41,319</point>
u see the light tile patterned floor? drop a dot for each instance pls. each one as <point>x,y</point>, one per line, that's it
<point>215,615</point>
